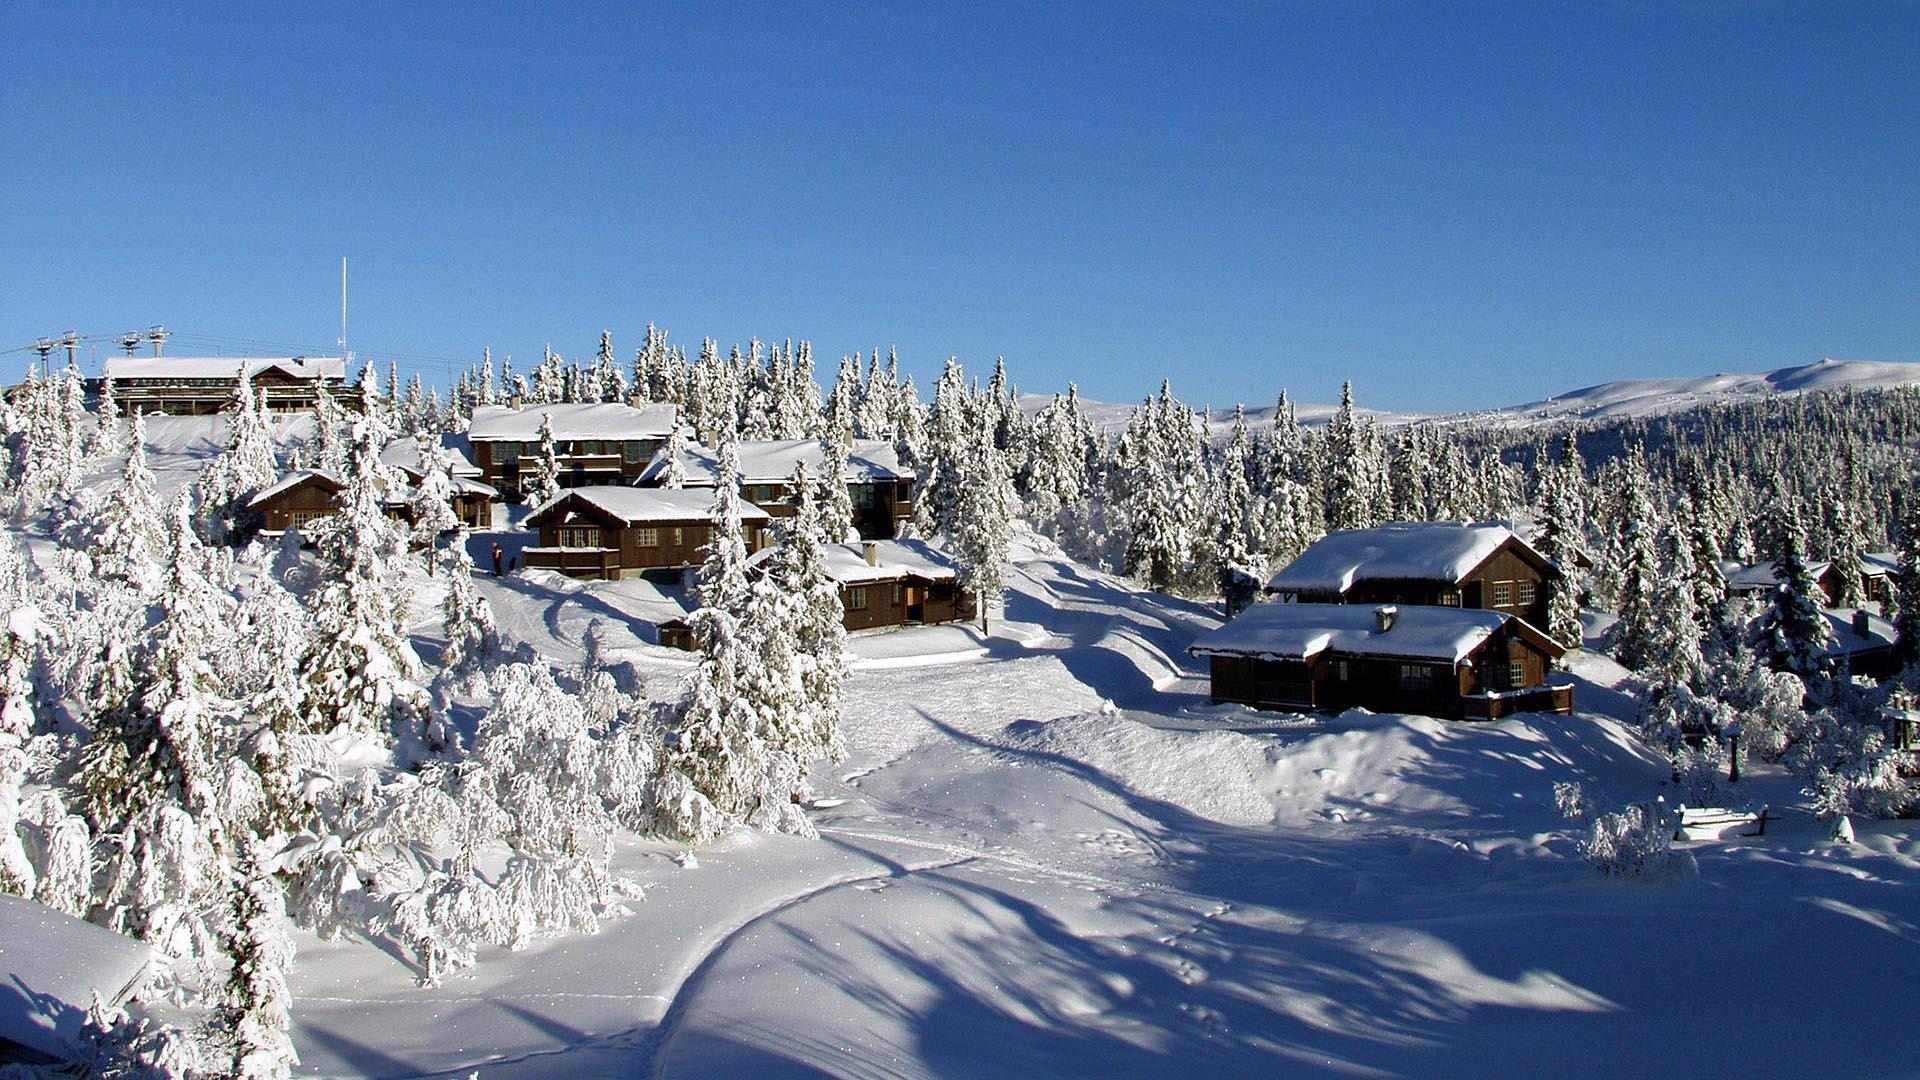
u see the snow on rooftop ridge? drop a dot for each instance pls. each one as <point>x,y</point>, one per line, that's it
<point>635,505</point>
<point>771,461</point>
<point>223,367</point>
<point>1303,631</point>
<point>893,560</point>
<point>1404,551</point>
<point>404,453</point>
<point>600,420</point>
<point>53,964</point>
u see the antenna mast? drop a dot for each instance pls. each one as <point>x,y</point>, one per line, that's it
<point>343,309</point>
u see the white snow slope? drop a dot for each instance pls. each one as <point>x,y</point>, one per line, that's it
<point>1046,855</point>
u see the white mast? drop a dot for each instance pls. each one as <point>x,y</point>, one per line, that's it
<point>343,309</point>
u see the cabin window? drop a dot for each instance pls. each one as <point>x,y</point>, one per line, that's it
<point>580,537</point>
<point>633,450</point>
<point>679,536</point>
<point>1502,594</point>
<point>862,496</point>
<point>857,598</point>
<point>1416,677</point>
<point>1450,598</point>
<point>1516,674</point>
<point>1340,670</point>
<point>647,537</point>
<point>303,518</point>
<point>1526,591</point>
<point>506,453</point>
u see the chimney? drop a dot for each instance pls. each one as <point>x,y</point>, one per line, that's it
<point>1383,618</point>
<point>872,552</point>
<point>1860,623</point>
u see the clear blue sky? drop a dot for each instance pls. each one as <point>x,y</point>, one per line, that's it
<point>1454,205</point>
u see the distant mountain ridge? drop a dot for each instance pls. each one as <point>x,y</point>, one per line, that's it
<point>1624,399</point>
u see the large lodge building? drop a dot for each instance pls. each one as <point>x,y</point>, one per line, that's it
<point>204,385</point>
<point>595,444</point>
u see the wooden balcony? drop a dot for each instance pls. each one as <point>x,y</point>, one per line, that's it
<point>580,562</point>
<point>1557,698</point>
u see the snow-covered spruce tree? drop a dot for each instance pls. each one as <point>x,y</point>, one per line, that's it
<point>673,468</point>
<point>1792,632</point>
<point>983,523</point>
<point>430,504</point>
<point>1056,472</point>
<point>1846,551</point>
<point>947,440</point>
<point>540,482</point>
<point>19,641</point>
<point>1633,565</point>
<point>1906,588</point>
<point>256,1015</point>
<point>799,568</point>
<point>835,499</point>
<point>127,539</point>
<point>1349,469</point>
<point>840,421</point>
<point>466,618</point>
<point>1674,645</point>
<point>715,771</point>
<point>246,466</point>
<point>1160,543</point>
<point>359,672</point>
<point>1560,538</point>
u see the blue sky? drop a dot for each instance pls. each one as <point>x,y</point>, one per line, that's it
<point>1454,205</point>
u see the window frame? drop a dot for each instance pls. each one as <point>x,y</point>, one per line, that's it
<point>647,536</point>
<point>857,598</point>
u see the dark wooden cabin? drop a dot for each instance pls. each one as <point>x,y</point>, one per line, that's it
<point>595,445</point>
<point>204,385</point>
<point>892,583</point>
<point>1447,662</point>
<point>1442,563</point>
<point>615,532</point>
<point>880,490</point>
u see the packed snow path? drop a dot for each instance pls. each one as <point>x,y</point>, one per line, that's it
<point>1040,862</point>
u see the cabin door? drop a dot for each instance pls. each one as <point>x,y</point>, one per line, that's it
<point>916,602</point>
<point>1470,595</point>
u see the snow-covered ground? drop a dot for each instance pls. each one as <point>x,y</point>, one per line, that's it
<point>1046,854</point>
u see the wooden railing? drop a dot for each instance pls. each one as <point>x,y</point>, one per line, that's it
<point>574,561</point>
<point>1542,699</point>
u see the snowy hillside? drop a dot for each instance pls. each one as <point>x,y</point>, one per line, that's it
<point>1606,401</point>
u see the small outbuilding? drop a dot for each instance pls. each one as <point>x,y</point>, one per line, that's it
<point>1447,662</point>
<point>890,583</point>
<point>615,532</point>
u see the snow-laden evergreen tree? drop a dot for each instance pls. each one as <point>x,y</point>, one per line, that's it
<point>673,468</point>
<point>1560,537</point>
<point>937,458</point>
<point>1349,483</point>
<point>1164,493</point>
<point>842,419</point>
<point>1056,470</point>
<point>258,1008</point>
<point>1846,551</point>
<point>1633,566</point>
<point>484,390</point>
<point>1674,649</point>
<point>1792,632</point>
<point>466,618</point>
<point>799,567</point>
<point>835,498</point>
<point>1905,602</point>
<point>983,522</point>
<point>19,642</point>
<point>540,476</point>
<point>245,467</point>
<point>431,501</point>
<point>127,538</point>
<point>359,672</point>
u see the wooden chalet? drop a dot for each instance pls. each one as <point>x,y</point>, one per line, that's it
<point>1443,563</point>
<point>892,583</point>
<point>304,497</point>
<point>881,491</point>
<point>1448,662</point>
<point>54,964</point>
<point>203,385</point>
<point>595,445</point>
<point>1761,580</point>
<point>475,501</point>
<point>616,532</point>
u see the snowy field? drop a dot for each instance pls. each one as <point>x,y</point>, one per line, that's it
<point>1046,854</point>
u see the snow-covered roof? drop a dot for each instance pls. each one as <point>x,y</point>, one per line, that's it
<point>607,420</point>
<point>223,367</point>
<point>771,461</point>
<point>1880,632</point>
<point>52,963</point>
<point>893,560</point>
<point>1425,551</point>
<point>635,505</point>
<point>1302,631</point>
<point>404,453</point>
<point>293,480</point>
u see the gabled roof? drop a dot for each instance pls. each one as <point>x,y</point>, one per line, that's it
<point>52,964</point>
<point>1761,576</point>
<point>297,479</point>
<point>1275,631</point>
<point>894,560</point>
<point>1437,551</point>
<point>638,506</point>
<point>1840,621</point>
<point>606,420</point>
<point>771,461</point>
<point>223,367</point>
